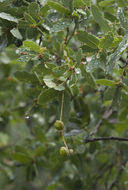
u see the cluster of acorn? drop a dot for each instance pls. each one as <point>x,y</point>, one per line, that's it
<point>64,150</point>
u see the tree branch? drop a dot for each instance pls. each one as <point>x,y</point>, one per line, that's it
<point>114,183</point>
<point>105,139</point>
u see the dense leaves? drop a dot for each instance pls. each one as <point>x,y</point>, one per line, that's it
<point>63,61</point>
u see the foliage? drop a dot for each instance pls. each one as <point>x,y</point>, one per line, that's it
<point>67,61</point>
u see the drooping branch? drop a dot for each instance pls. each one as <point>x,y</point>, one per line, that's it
<point>105,139</point>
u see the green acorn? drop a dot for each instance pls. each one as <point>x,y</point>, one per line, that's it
<point>59,125</point>
<point>64,151</point>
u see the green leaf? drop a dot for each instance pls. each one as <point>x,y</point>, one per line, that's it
<point>89,39</point>
<point>66,105</point>
<point>8,17</point>
<point>15,32</point>
<point>32,46</point>
<point>79,56</point>
<point>116,42</point>
<point>122,3</point>
<point>122,18</point>
<point>60,26</point>
<point>40,136</point>
<point>39,151</point>
<point>29,19</point>
<point>97,14</point>
<point>89,50</point>
<point>106,3</point>
<point>3,139</point>
<point>51,187</point>
<point>46,96</point>
<point>60,70</point>
<point>23,150</point>
<point>124,86</point>
<point>110,17</point>
<point>44,10</point>
<point>48,80</point>
<point>33,9</point>
<point>58,7</point>
<point>116,55</point>
<point>106,41</point>
<point>24,76</point>
<point>22,158</point>
<point>79,3</point>
<point>106,82</point>
<point>121,126</point>
<point>89,79</point>
<point>3,42</point>
<point>93,64</point>
<point>60,87</point>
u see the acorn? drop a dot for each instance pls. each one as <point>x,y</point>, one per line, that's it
<point>64,151</point>
<point>71,151</point>
<point>59,125</point>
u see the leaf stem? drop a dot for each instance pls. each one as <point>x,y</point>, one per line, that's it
<point>39,30</point>
<point>38,77</point>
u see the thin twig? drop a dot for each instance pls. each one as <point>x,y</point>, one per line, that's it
<point>61,115</point>
<point>40,30</point>
<point>63,139</point>
<point>106,115</point>
<point>105,139</point>
<point>72,34</point>
<point>115,182</point>
<point>40,40</point>
<point>67,34</point>
<point>62,105</point>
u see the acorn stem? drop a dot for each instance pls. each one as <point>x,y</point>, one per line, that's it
<point>62,134</point>
<point>62,105</point>
<point>61,114</point>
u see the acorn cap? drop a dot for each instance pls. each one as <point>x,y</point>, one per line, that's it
<point>59,125</point>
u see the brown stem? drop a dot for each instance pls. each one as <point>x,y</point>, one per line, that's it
<point>105,139</point>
